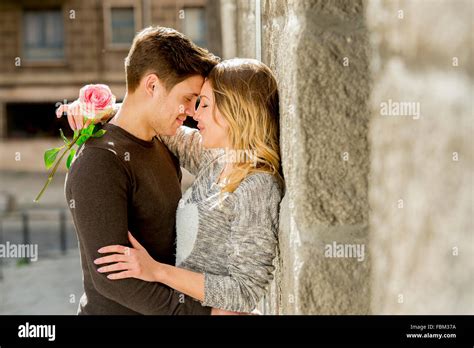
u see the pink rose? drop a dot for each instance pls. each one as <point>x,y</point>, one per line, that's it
<point>96,100</point>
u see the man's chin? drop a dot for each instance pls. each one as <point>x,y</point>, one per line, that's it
<point>172,131</point>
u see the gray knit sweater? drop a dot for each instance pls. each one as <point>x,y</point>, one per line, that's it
<point>230,237</point>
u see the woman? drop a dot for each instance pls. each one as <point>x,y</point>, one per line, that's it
<point>227,221</point>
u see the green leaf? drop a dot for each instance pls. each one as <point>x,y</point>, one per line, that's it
<point>82,139</point>
<point>76,133</point>
<point>62,136</point>
<point>90,129</point>
<point>70,158</point>
<point>50,156</point>
<point>99,133</point>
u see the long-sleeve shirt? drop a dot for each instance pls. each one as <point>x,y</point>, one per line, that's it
<point>119,183</point>
<point>229,237</point>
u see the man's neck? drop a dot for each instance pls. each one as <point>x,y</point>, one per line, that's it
<point>131,119</point>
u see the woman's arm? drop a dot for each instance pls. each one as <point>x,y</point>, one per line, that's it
<point>186,145</point>
<point>137,263</point>
<point>254,237</point>
<point>185,281</point>
<point>250,264</point>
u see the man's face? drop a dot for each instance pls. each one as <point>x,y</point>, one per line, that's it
<point>170,109</point>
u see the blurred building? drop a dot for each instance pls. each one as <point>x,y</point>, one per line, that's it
<point>49,50</point>
<point>52,48</point>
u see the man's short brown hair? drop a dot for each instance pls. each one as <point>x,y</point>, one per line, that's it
<point>168,54</point>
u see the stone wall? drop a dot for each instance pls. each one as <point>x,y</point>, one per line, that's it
<point>422,163</point>
<point>319,53</point>
<point>244,13</point>
<point>336,63</point>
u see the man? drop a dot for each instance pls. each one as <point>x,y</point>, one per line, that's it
<point>127,180</point>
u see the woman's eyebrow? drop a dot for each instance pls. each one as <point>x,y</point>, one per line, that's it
<point>203,96</point>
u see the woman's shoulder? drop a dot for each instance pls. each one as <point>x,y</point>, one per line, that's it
<point>257,200</point>
<point>260,184</point>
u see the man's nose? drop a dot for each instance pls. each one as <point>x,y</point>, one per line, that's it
<point>189,111</point>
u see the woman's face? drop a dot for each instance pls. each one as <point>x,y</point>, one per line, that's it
<point>214,130</point>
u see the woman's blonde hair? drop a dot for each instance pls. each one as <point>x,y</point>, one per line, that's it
<point>245,92</point>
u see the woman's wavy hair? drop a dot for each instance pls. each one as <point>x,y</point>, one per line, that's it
<point>246,94</point>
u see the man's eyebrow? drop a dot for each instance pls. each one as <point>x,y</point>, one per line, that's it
<point>193,94</point>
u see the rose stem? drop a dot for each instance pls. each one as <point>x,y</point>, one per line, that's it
<point>53,171</point>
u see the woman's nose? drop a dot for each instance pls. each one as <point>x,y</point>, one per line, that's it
<point>196,115</point>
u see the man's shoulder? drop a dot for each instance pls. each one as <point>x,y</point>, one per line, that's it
<point>110,140</point>
<point>97,168</point>
<point>109,147</point>
<point>98,157</point>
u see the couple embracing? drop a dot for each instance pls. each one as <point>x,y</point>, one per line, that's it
<point>147,249</point>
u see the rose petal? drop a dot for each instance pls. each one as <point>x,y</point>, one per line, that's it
<point>95,97</point>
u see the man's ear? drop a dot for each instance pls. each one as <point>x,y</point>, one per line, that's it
<point>152,84</point>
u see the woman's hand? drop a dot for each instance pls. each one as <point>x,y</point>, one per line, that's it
<point>133,262</point>
<point>76,118</point>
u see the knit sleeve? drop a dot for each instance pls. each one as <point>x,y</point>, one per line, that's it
<point>254,239</point>
<point>186,145</point>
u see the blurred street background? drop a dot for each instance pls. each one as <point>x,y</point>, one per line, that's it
<point>50,49</point>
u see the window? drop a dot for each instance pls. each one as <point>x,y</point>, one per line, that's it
<point>194,25</point>
<point>123,25</point>
<point>27,120</point>
<point>121,21</point>
<point>43,35</point>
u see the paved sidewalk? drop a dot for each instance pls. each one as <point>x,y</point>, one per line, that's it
<point>53,284</point>
<point>48,286</point>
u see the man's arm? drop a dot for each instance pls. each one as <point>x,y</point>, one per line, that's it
<point>98,184</point>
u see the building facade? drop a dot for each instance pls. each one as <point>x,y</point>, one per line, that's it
<point>52,48</point>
